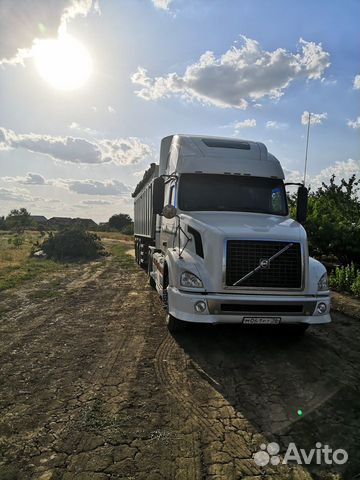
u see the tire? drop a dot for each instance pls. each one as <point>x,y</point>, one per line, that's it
<point>152,282</point>
<point>174,325</point>
<point>136,253</point>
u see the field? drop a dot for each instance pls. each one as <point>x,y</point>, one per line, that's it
<point>15,264</point>
<point>93,386</point>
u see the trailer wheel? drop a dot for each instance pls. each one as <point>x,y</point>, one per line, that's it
<point>152,282</point>
<point>174,324</point>
<point>136,252</point>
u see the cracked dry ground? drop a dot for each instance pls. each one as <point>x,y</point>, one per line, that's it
<point>94,387</point>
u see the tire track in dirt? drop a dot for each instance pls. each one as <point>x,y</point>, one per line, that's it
<point>125,348</point>
<point>193,470</point>
<point>171,365</point>
<point>35,316</point>
<point>169,373</point>
<point>120,347</point>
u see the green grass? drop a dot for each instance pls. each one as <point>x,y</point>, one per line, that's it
<point>17,267</point>
<point>126,261</point>
<point>31,268</point>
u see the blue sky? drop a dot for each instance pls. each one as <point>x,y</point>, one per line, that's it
<point>79,152</point>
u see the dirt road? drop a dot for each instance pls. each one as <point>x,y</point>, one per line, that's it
<point>94,387</point>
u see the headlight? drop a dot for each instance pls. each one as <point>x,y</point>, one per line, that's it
<point>188,279</point>
<point>323,283</point>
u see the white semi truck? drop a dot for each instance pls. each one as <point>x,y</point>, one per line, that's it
<point>213,230</point>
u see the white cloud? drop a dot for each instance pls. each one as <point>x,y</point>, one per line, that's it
<point>96,202</point>
<point>162,4</point>
<point>354,123</point>
<point>76,126</point>
<point>111,109</point>
<point>341,169</point>
<point>292,175</point>
<point>276,125</point>
<point>34,179</point>
<point>248,123</point>
<point>316,118</point>
<point>82,186</point>
<point>120,151</point>
<point>93,187</point>
<point>14,195</point>
<point>357,82</point>
<point>29,179</point>
<point>22,23</point>
<point>238,75</point>
<point>77,8</point>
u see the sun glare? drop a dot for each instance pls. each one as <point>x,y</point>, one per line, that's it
<point>63,62</point>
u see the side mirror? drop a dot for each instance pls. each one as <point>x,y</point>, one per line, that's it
<point>302,204</point>
<point>169,211</point>
<point>158,195</point>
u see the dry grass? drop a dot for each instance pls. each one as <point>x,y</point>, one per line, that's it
<point>115,236</point>
<point>16,266</point>
<point>12,256</point>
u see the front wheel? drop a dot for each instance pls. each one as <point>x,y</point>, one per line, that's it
<point>174,325</point>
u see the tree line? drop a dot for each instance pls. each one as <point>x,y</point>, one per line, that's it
<point>20,219</point>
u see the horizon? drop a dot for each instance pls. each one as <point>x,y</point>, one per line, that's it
<point>88,89</point>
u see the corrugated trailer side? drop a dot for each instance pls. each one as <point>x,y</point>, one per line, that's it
<point>144,218</point>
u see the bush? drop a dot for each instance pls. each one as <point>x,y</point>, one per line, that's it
<point>355,287</point>
<point>119,221</point>
<point>18,220</point>
<point>347,279</point>
<point>343,277</point>
<point>128,230</point>
<point>71,244</point>
<point>333,223</point>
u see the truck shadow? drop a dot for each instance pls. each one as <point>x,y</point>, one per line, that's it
<point>303,389</point>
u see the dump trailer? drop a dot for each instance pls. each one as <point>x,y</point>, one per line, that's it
<point>213,231</point>
<point>144,216</point>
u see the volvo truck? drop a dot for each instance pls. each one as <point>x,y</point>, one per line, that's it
<point>213,230</point>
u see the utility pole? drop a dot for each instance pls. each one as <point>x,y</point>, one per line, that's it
<point>307,147</point>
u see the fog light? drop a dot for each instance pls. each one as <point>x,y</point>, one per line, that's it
<point>321,308</point>
<point>200,306</point>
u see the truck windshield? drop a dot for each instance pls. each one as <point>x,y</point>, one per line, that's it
<point>212,192</point>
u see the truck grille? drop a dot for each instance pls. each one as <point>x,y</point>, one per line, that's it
<point>243,256</point>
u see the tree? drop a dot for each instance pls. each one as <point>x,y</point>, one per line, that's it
<point>128,229</point>
<point>18,220</point>
<point>333,223</point>
<point>2,223</point>
<point>119,221</point>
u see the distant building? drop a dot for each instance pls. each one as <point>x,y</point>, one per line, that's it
<point>59,222</point>
<point>87,223</point>
<point>38,219</point>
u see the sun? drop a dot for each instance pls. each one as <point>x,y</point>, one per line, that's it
<point>63,62</point>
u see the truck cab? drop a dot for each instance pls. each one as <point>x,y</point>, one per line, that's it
<point>222,247</point>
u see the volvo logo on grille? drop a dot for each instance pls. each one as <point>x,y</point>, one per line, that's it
<point>264,263</point>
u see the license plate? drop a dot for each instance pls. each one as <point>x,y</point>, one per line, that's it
<point>262,320</point>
